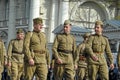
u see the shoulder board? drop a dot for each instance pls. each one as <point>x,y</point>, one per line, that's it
<point>60,34</point>
<point>43,33</point>
<point>72,35</point>
<point>92,35</point>
<point>13,39</point>
<point>29,32</point>
<point>105,36</point>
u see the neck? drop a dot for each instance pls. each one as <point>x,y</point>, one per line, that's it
<point>99,34</point>
<point>36,31</point>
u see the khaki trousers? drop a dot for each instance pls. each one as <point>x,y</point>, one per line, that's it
<point>94,69</point>
<point>16,70</point>
<point>82,73</point>
<point>40,69</point>
<point>1,70</point>
<point>66,71</point>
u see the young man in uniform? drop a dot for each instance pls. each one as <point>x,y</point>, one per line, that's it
<point>3,57</point>
<point>35,50</point>
<point>64,47</point>
<point>98,47</point>
<point>82,71</point>
<point>16,56</point>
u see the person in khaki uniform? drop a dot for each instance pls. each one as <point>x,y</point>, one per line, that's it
<point>82,71</point>
<point>3,57</point>
<point>98,47</point>
<point>16,56</point>
<point>48,63</point>
<point>118,58</point>
<point>64,47</point>
<point>35,50</point>
<point>50,73</point>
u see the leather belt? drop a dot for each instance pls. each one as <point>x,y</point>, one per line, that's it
<point>39,51</point>
<point>17,52</point>
<point>99,52</point>
<point>64,51</point>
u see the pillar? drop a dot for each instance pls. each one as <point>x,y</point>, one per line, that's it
<point>63,10</point>
<point>34,12</point>
<point>11,23</point>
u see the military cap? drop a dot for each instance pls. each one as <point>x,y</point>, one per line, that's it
<point>38,21</point>
<point>20,31</point>
<point>86,35</point>
<point>67,22</point>
<point>98,22</point>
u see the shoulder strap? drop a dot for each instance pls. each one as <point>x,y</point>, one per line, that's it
<point>12,41</point>
<point>31,33</point>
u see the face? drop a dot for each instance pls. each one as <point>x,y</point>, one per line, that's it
<point>86,38</point>
<point>98,29</point>
<point>67,28</point>
<point>20,36</point>
<point>38,27</point>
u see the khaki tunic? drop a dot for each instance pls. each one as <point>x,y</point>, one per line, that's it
<point>82,71</point>
<point>82,54</point>
<point>3,56</point>
<point>64,42</point>
<point>15,46</point>
<point>98,45</point>
<point>35,41</point>
<point>35,48</point>
<point>16,57</point>
<point>118,57</point>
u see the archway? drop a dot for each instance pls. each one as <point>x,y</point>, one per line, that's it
<point>85,13</point>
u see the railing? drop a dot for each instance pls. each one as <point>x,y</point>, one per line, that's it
<point>4,23</point>
<point>19,22</point>
<point>22,22</point>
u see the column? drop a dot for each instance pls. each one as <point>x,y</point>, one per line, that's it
<point>117,45</point>
<point>53,20</point>
<point>63,10</point>
<point>11,23</point>
<point>34,12</point>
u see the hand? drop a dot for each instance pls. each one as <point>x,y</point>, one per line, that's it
<point>111,66</point>
<point>52,66</point>
<point>95,58</point>
<point>75,67</point>
<point>5,63</point>
<point>48,66</point>
<point>31,62</point>
<point>9,64</point>
<point>59,61</point>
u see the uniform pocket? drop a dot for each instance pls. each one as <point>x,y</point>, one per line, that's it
<point>95,46</point>
<point>103,46</point>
